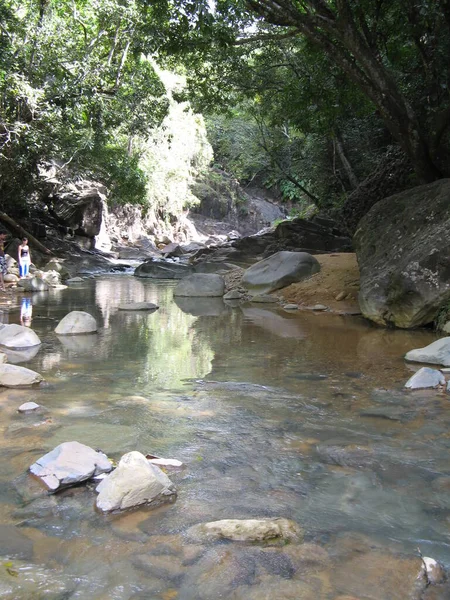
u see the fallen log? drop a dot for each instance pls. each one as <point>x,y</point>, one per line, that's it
<point>21,232</point>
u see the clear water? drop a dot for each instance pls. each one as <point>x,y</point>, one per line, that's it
<point>274,414</point>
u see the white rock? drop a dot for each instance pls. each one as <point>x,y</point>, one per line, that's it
<point>10,262</point>
<point>319,307</point>
<point>134,482</point>
<point>53,278</point>
<point>139,306</point>
<point>247,530</point>
<point>68,464</point>
<point>165,462</point>
<point>425,378</point>
<point>290,307</point>
<point>435,571</point>
<point>76,322</point>
<point>437,353</point>
<point>10,278</point>
<point>17,336</point>
<point>28,407</point>
<point>15,376</point>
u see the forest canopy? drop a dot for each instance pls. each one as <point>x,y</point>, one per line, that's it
<point>305,94</point>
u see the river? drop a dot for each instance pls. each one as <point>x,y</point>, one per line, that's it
<point>274,414</point>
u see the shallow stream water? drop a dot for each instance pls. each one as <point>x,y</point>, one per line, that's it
<point>274,414</point>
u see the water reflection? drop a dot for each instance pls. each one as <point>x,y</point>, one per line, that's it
<point>274,415</point>
<point>26,312</point>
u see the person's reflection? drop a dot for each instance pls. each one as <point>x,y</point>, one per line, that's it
<point>26,312</point>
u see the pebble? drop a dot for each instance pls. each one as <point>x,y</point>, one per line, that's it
<point>28,407</point>
<point>340,296</point>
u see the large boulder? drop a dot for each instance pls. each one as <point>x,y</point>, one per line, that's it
<point>56,265</point>
<point>206,285</point>
<point>14,376</point>
<point>35,284</point>
<point>158,269</point>
<point>134,482</point>
<point>17,336</point>
<point>278,271</point>
<point>69,464</point>
<point>403,251</point>
<point>76,322</point>
<point>79,207</point>
<point>247,530</point>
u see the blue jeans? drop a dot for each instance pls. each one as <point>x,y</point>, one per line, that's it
<point>24,269</point>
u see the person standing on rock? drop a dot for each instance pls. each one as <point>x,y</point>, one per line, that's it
<point>24,258</point>
<point>3,267</point>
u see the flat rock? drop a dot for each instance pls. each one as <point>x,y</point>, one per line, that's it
<point>138,306</point>
<point>264,299</point>
<point>28,407</point>
<point>247,530</point>
<point>319,307</point>
<point>17,336</point>
<point>425,378</point>
<point>158,269</point>
<point>278,271</point>
<point>76,322</point>
<point>290,307</point>
<point>436,353</point>
<point>68,464</point>
<point>15,376</point>
<point>206,285</point>
<point>233,295</point>
<point>75,280</point>
<point>134,482</point>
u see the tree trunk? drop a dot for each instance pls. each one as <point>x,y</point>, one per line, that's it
<point>21,232</point>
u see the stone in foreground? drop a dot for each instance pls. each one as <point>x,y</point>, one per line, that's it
<point>76,322</point>
<point>69,464</point>
<point>425,378</point>
<point>139,306</point>
<point>437,353</point>
<point>247,530</point>
<point>134,482</point>
<point>28,407</point>
<point>204,285</point>
<point>15,376</point>
<point>17,336</point>
<point>278,271</point>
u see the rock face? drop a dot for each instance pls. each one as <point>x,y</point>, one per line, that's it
<point>139,306</point>
<point>68,464</point>
<point>14,376</point>
<point>403,251</point>
<point>425,378</point>
<point>17,336</point>
<point>158,269</point>
<point>76,322</point>
<point>437,353</point>
<point>249,530</point>
<point>278,271</point>
<point>134,482</point>
<point>201,285</point>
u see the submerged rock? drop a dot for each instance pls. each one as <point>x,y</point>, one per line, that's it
<point>69,464</point>
<point>425,378</point>
<point>437,353</point>
<point>14,544</point>
<point>134,482</point>
<point>247,530</point>
<point>17,336</point>
<point>138,306</point>
<point>28,407</point>
<point>15,376</point>
<point>205,285</point>
<point>278,271</point>
<point>76,322</point>
<point>403,251</point>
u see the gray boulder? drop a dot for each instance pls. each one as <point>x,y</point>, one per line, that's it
<point>158,269</point>
<point>247,530</point>
<point>403,250</point>
<point>138,306</point>
<point>134,482</point>
<point>69,464</point>
<point>425,378</point>
<point>17,336</point>
<point>278,271</point>
<point>15,376</point>
<point>56,265</point>
<point>436,353</point>
<point>35,284</point>
<point>76,322</point>
<point>206,285</point>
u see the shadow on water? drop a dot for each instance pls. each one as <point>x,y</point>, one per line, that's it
<point>275,414</point>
